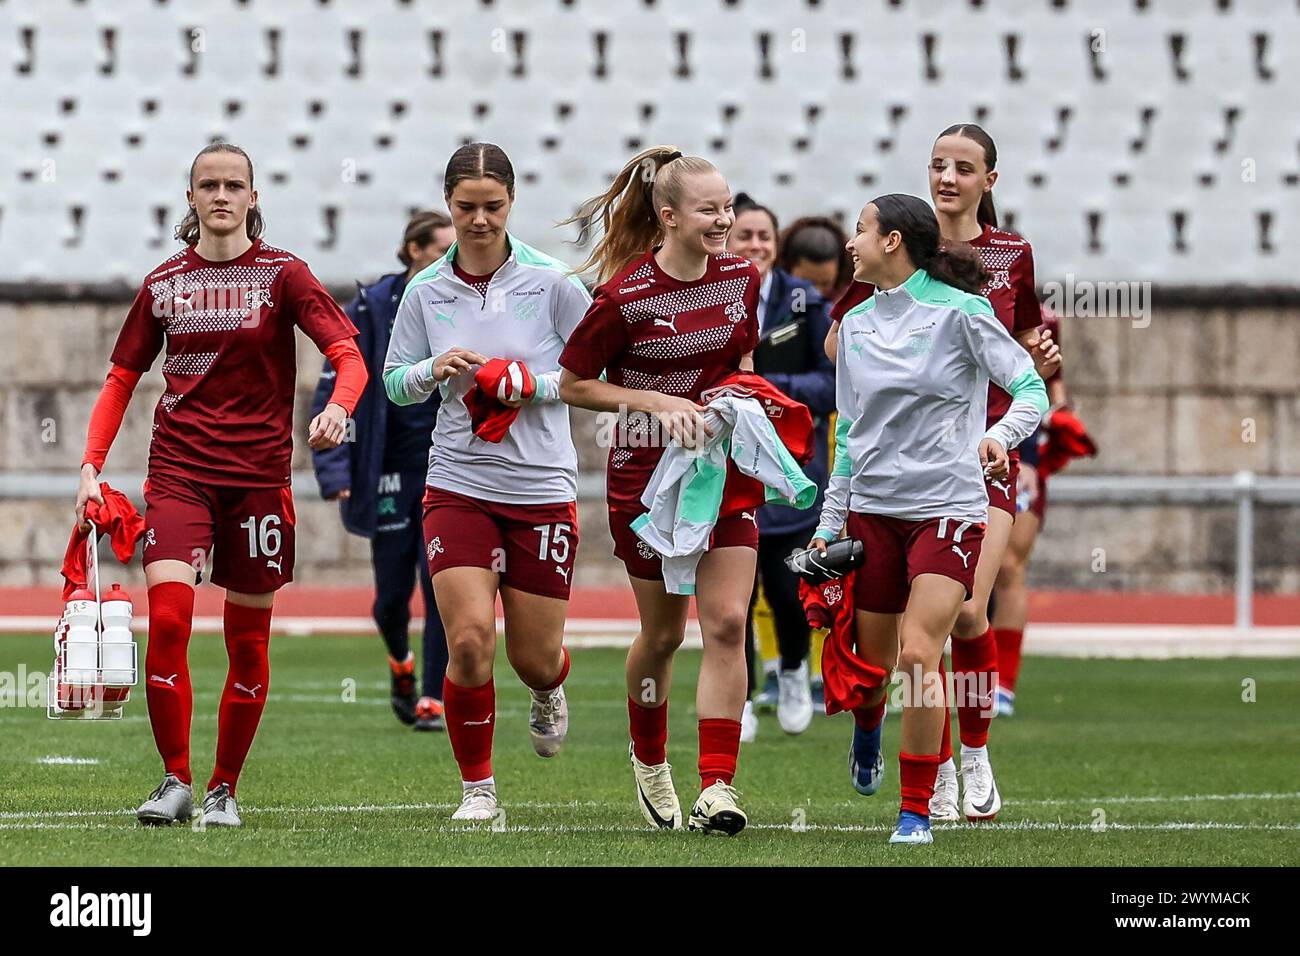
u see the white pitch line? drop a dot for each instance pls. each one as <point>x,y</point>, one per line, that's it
<point>578,805</point>
<point>1026,825</point>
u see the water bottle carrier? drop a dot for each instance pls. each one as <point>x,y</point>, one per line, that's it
<point>92,677</point>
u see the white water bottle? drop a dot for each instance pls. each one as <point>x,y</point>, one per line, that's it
<point>117,649</point>
<point>82,640</point>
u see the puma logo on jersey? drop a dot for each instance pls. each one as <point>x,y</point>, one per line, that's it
<point>750,516</point>
<point>563,572</point>
<point>440,316</point>
<point>250,691</point>
<point>668,323</point>
<point>275,564</point>
<point>169,681</point>
<point>964,555</point>
<point>477,723</point>
<point>1002,486</point>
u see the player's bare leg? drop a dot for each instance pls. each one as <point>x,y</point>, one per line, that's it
<point>534,627</point>
<point>724,581</point>
<point>649,674</point>
<point>932,608</point>
<point>974,668</point>
<point>1012,612</point>
<point>467,602</point>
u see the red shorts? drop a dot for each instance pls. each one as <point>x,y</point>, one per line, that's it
<point>1002,494</point>
<point>642,561</point>
<point>898,550</point>
<point>532,547</point>
<point>248,532</point>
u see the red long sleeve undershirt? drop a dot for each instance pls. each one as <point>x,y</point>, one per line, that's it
<point>110,406</point>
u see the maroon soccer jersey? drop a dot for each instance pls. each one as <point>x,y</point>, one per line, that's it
<point>1009,261</point>
<point>226,417</point>
<point>647,330</point>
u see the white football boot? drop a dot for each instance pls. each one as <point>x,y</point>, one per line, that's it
<point>980,799</point>
<point>943,804</point>
<point>748,724</point>
<point>219,808</point>
<point>655,794</point>
<point>170,801</point>
<point>477,804</point>
<point>548,721</point>
<point>794,708</point>
<point>716,811</point>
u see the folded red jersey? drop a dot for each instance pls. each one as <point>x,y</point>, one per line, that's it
<point>848,680</point>
<point>495,381</point>
<point>1067,439</point>
<point>793,423</point>
<point>118,519</point>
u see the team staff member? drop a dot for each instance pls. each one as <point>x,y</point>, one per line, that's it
<point>675,314</point>
<point>912,375</point>
<point>378,479</point>
<point>225,309</point>
<point>792,324</point>
<point>500,512</point>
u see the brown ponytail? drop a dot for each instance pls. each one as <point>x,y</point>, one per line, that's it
<point>987,213</point>
<point>187,230</point>
<point>627,213</point>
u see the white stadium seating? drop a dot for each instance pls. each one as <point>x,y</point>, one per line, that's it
<point>1169,153</point>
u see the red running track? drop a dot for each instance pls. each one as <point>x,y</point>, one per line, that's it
<point>1046,607</point>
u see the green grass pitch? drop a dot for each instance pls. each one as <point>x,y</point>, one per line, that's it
<point>1106,763</point>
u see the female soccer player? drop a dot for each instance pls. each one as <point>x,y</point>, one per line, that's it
<point>1010,609</point>
<point>912,374</point>
<point>674,315</point>
<point>224,308</point>
<point>962,173</point>
<point>500,512</point>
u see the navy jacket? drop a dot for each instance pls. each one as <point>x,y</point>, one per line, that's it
<point>790,356</point>
<point>358,464</point>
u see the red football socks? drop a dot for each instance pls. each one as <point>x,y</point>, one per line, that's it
<point>470,713</point>
<point>248,635</point>
<point>975,675</point>
<point>167,674</point>
<point>719,745</point>
<point>649,729</point>
<point>1009,640</point>
<point>916,781</point>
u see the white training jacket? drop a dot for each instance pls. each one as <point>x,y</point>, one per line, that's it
<point>684,495</point>
<point>532,306</point>
<point>912,374</point>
